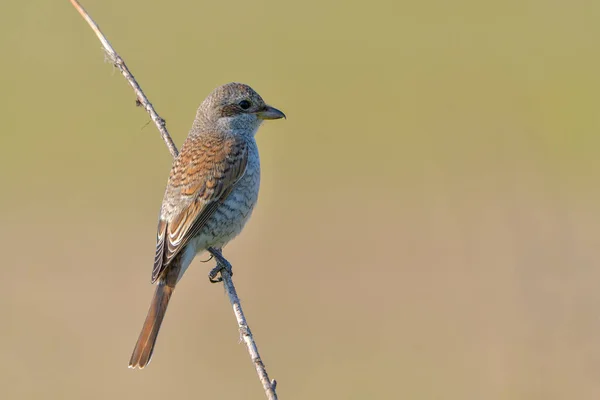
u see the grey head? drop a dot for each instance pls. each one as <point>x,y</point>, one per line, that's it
<point>236,108</point>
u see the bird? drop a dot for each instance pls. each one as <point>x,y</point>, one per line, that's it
<point>211,192</point>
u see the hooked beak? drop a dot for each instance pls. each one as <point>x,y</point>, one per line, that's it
<point>270,113</point>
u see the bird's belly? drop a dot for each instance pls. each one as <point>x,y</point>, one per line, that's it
<point>231,216</point>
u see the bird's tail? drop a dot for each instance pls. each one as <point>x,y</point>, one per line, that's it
<point>142,353</point>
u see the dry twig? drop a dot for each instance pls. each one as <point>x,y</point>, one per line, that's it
<point>120,64</point>
<point>246,334</point>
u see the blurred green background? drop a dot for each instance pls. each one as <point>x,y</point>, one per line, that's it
<point>429,217</point>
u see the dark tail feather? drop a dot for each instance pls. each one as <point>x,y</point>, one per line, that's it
<point>142,353</point>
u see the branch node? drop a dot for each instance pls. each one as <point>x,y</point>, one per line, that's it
<point>257,361</point>
<point>245,330</point>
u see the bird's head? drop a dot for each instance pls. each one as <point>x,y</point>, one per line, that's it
<point>235,107</point>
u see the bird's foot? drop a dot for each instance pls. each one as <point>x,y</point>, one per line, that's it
<point>222,264</point>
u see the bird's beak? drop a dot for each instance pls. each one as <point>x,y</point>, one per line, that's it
<point>270,113</point>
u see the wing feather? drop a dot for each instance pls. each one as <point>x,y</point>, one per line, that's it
<point>201,178</point>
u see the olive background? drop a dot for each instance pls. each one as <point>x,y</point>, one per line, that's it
<point>429,218</point>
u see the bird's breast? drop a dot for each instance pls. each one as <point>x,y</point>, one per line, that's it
<point>233,213</point>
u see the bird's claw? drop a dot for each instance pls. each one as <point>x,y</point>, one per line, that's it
<point>208,259</point>
<point>212,275</point>
<point>222,264</point>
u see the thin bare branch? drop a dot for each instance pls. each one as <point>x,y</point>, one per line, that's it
<point>268,385</point>
<point>118,62</point>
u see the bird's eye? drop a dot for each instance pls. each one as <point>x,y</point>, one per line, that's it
<point>245,104</point>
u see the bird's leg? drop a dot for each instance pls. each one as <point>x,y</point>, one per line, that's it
<point>222,264</point>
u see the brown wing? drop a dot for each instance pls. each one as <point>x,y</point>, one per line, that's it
<point>201,178</point>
